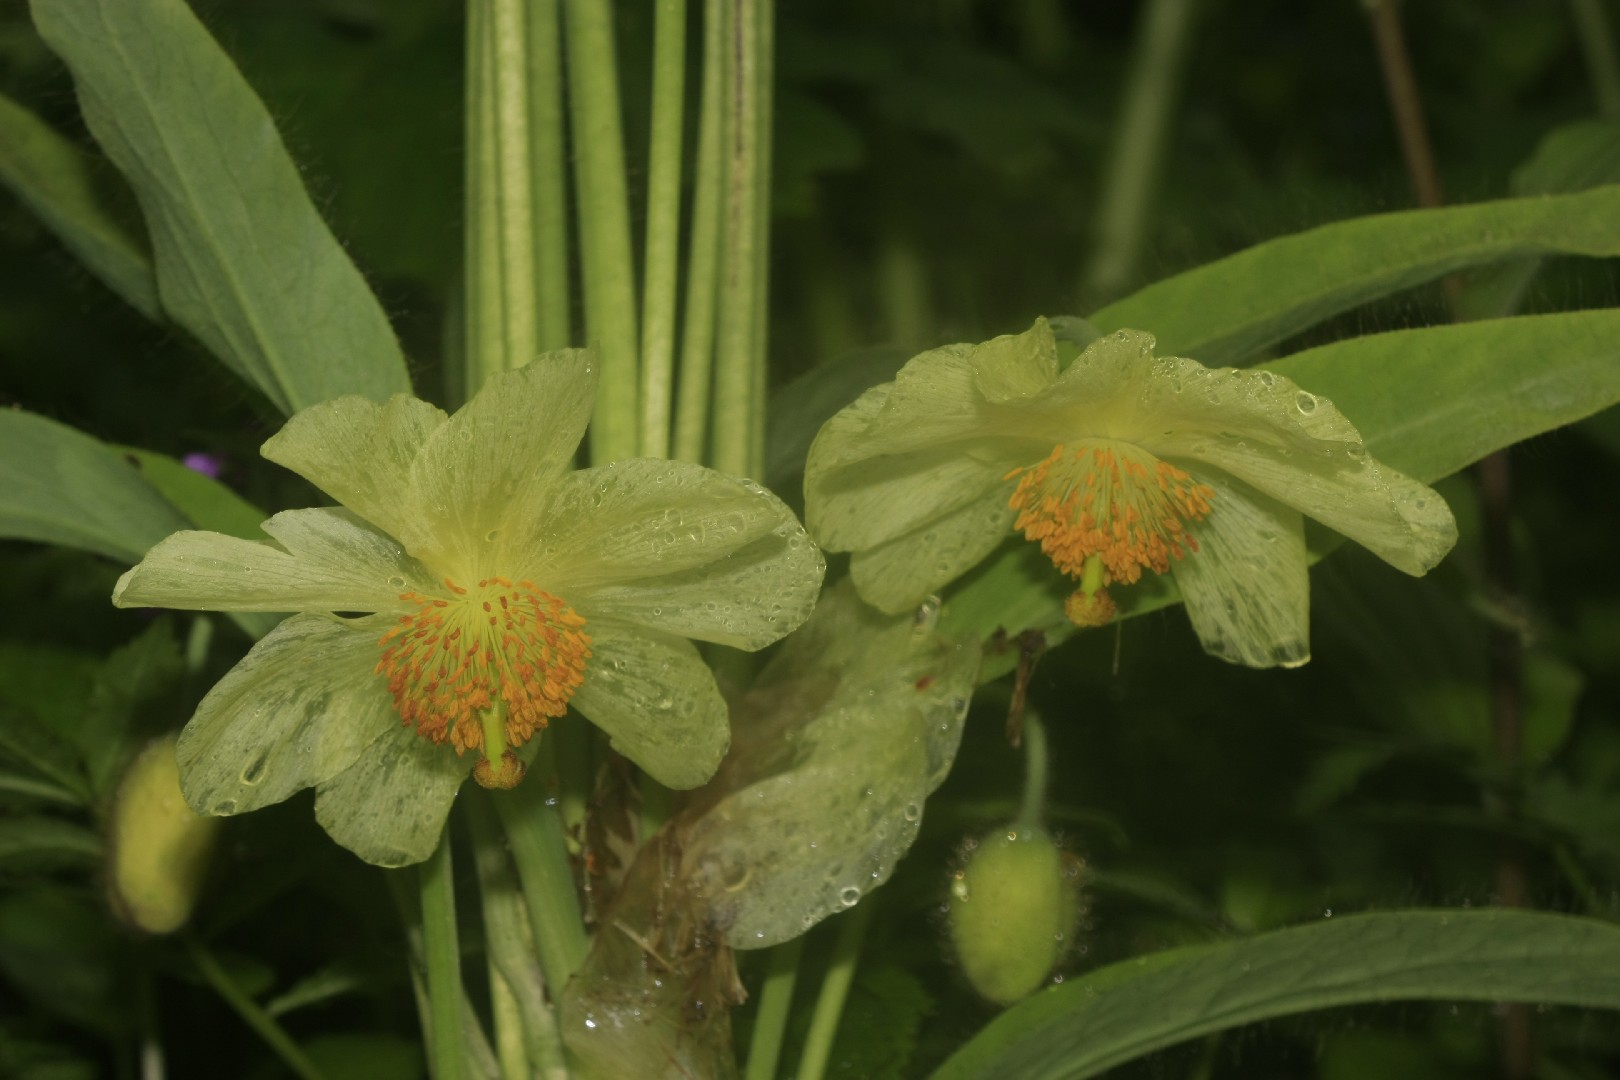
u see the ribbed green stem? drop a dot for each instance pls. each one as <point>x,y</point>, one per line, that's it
<point>604,224</point>
<point>538,849</point>
<point>834,991</point>
<point>515,967</point>
<point>549,169</point>
<point>442,953</point>
<point>1138,147</point>
<point>663,226</point>
<point>737,383</point>
<point>703,253</point>
<point>764,80</point>
<point>770,1021</point>
<point>482,317</point>
<point>263,1024</point>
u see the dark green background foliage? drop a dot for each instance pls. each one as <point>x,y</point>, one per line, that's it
<point>937,167</point>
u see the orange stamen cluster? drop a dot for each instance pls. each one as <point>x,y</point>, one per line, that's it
<point>1110,500</point>
<point>460,654</point>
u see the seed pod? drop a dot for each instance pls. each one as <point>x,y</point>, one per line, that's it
<point>1013,912</point>
<point>159,847</point>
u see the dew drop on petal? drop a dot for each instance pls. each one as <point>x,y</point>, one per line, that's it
<point>1305,402</point>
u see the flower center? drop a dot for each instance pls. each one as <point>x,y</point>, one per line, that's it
<point>1108,508</point>
<point>463,660</point>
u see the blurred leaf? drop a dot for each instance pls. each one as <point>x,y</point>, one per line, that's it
<point>878,1032</point>
<point>60,950</point>
<point>1356,1055</point>
<point>366,1057</point>
<point>48,173</point>
<point>25,1058</point>
<point>36,843</point>
<point>1335,773</point>
<point>30,743</point>
<point>47,684</point>
<point>1552,688</point>
<point>1574,157</point>
<point>208,503</point>
<point>146,668</point>
<point>1227,311</point>
<point>243,259</point>
<point>1124,1012</point>
<point>321,986</point>
<point>61,486</point>
<point>798,410</point>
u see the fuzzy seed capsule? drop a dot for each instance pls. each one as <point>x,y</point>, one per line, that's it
<point>159,847</point>
<point>1013,911</point>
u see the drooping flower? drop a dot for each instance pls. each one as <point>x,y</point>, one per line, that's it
<point>1119,464</point>
<point>469,590</point>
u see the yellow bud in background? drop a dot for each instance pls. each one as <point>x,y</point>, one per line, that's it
<point>159,847</point>
<point>1014,908</point>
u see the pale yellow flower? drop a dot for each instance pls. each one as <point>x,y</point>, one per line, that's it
<point>1120,464</point>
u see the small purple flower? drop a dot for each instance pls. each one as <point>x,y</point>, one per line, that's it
<point>210,465</point>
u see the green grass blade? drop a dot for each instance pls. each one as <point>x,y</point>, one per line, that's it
<point>1227,311</point>
<point>243,259</point>
<point>1123,1012</point>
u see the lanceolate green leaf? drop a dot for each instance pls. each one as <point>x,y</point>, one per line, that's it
<point>243,259</point>
<point>1427,402</point>
<point>1226,311</point>
<point>1120,1013</point>
<point>1431,401</point>
<point>61,486</point>
<point>48,173</point>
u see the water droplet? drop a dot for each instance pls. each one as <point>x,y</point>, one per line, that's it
<point>1305,402</point>
<point>254,771</point>
<point>849,895</point>
<point>913,812</point>
<point>1266,378</point>
<point>224,807</point>
<point>396,582</point>
<point>490,537</point>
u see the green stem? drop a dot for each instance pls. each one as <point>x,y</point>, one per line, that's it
<point>550,176</point>
<point>663,226</point>
<point>442,954</point>
<point>1138,147</point>
<point>482,315</point>
<point>1596,38</point>
<point>1030,810</point>
<point>764,75</point>
<point>511,1052</point>
<point>515,970</point>
<point>536,838</point>
<point>770,1020</point>
<point>502,257</point>
<point>703,254</point>
<point>834,990</point>
<point>741,253</point>
<point>604,224</point>
<point>256,1018</point>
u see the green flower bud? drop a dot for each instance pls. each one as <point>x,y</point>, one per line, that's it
<point>159,847</point>
<point>1014,908</point>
